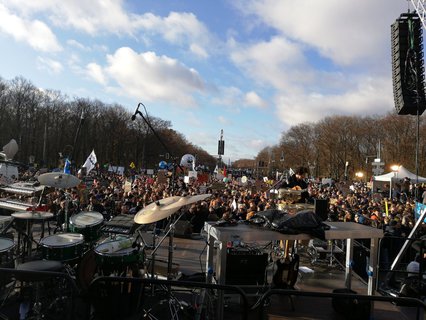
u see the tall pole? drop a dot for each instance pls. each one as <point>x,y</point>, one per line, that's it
<point>44,144</point>
<point>416,190</point>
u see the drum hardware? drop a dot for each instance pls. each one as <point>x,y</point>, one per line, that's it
<point>60,180</point>
<point>88,224</point>
<point>62,247</point>
<point>160,210</point>
<point>25,233</point>
<point>44,290</point>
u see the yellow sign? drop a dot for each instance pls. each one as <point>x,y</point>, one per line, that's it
<point>132,165</point>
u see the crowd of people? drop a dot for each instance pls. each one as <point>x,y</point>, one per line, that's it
<point>113,194</point>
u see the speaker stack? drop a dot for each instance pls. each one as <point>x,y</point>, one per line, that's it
<point>408,65</point>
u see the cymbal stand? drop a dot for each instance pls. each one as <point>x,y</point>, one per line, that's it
<point>174,304</point>
<point>170,232</point>
<point>66,218</point>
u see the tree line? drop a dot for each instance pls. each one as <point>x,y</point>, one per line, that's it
<point>341,146</point>
<point>49,126</point>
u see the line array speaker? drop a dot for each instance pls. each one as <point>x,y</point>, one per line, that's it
<point>408,65</point>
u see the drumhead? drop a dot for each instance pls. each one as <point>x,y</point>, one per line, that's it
<point>87,219</point>
<point>112,248</point>
<point>6,244</point>
<point>62,240</point>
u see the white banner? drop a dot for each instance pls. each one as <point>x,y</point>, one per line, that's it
<point>90,161</point>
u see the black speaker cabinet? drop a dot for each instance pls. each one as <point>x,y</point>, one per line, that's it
<point>245,268</point>
<point>321,208</point>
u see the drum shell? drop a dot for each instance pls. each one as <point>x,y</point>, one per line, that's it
<point>118,261</point>
<point>65,252</point>
<point>6,253</point>
<point>91,232</point>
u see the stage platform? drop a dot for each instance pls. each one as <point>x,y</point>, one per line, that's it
<point>189,261</point>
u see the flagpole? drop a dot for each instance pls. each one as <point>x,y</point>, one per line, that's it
<point>77,133</point>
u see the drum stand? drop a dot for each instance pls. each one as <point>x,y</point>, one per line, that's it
<point>174,304</point>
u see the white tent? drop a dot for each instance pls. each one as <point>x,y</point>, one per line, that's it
<point>399,175</point>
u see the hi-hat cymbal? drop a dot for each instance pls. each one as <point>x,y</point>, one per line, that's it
<point>59,180</point>
<point>157,211</point>
<point>184,201</point>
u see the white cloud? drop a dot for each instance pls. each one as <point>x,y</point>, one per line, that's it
<point>95,72</point>
<point>199,51</point>
<point>35,33</point>
<point>327,57</point>
<point>223,120</point>
<point>278,62</point>
<point>74,43</point>
<point>153,77</point>
<point>253,99</point>
<point>180,28</point>
<point>111,16</point>
<point>372,96</point>
<point>234,99</point>
<point>50,65</point>
<point>344,31</point>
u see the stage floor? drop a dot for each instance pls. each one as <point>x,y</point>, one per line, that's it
<point>189,262</point>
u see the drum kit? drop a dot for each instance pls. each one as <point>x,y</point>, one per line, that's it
<point>79,247</point>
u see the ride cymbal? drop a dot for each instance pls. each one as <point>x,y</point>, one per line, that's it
<point>184,201</point>
<point>157,211</point>
<point>59,180</point>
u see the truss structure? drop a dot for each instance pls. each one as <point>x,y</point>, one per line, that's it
<point>419,7</point>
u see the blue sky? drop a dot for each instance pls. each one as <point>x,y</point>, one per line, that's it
<point>253,68</point>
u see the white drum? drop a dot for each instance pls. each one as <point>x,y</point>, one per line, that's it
<point>62,246</point>
<point>88,224</point>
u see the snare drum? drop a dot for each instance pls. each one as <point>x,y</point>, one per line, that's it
<point>117,255</point>
<point>88,224</point>
<point>62,247</point>
<point>6,253</point>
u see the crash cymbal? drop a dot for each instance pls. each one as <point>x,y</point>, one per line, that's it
<point>32,215</point>
<point>157,211</point>
<point>59,180</point>
<point>184,201</point>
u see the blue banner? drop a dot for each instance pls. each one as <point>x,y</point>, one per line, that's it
<point>67,166</point>
<point>419,209</point>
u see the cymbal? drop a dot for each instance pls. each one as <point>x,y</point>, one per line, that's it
<point>59,180</point>
<point>32,215</point>
<point>184,201</point>
<point>157,211</point>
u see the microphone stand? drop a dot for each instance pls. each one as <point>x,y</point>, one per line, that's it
<point>137,112</point>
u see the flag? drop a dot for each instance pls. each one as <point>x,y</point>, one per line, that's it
<point>90,162</point>
<point>224,171</point>
<point>67,166</point>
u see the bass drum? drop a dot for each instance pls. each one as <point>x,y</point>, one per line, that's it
<point>98,262</point>
<point>117,256</point>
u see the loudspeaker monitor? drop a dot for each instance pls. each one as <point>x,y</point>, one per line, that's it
<point>408,65</point>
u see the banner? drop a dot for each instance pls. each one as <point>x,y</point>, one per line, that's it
<point>90,161</point>
<point>419,209</point>
<point>67,166</point>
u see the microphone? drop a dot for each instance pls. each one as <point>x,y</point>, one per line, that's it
<point>136,112</point>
